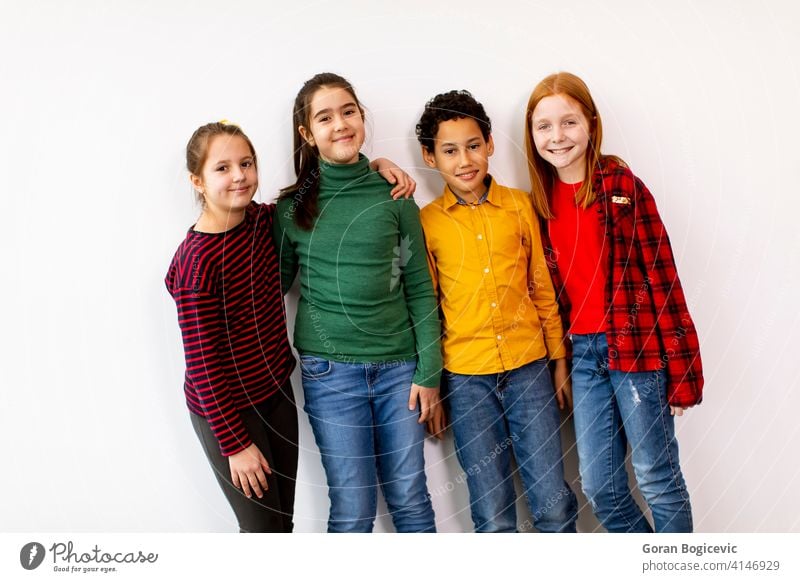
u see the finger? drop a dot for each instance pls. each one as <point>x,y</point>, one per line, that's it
<point>412,185</point>
<point>560,399</point>
<point>431,428</point>
<point>246,486</point>
<point>425,412</point>
<point>265,466</point>
<point>412,399</point>
<point>262,482</point>
<point>438,426</point>
<point>399,191</point>
<point>254,480</point>
<point>235,480</point>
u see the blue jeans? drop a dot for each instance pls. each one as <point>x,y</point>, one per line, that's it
<point>367,435</point>
<point>494,415</point>
<point>613,409</point>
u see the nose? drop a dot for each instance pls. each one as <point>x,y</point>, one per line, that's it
<point>338,122</point>
<point>238,174</point>
<point>463,157</point>
<point>557,134</point>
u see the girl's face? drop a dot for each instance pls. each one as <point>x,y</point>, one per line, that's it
<point>560,132</point>
<point>335,126</point>
<point>229,178</point>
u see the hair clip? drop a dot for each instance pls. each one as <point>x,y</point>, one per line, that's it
<point>227,122</point>
<point>620,200</point>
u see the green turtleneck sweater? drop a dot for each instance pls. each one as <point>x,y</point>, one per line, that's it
<point>365,290</point>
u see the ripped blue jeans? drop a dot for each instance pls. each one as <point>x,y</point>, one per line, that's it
<point>612,409</point>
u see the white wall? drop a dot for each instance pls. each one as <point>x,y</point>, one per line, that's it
<point>98,100</point>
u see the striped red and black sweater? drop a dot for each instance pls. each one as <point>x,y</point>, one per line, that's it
<point>230,310</point>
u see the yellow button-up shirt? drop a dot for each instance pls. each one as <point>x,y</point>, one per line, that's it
<point>498,306</point>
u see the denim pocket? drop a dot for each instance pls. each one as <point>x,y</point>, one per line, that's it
<point>313,367</point>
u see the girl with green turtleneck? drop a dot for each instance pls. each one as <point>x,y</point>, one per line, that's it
<point>367,326</point>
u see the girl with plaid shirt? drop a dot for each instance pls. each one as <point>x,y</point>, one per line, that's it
<point>636,359</point>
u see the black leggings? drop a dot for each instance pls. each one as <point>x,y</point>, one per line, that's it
<point>272,426</point>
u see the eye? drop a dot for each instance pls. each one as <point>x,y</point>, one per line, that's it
<point>474,146</point>
<point>448,151</point>
<point>323,119</point>
<point>570,122</point>
<point>247,164</point>
<point>221,168</point>
<point>543,126</point>
<point>349,112</point>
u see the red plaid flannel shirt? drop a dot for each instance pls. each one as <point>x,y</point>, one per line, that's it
<point>648,326</point>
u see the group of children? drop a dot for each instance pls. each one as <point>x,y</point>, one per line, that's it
<point>487,311</point>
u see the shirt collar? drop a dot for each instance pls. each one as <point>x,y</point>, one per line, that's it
<point>492,195</point>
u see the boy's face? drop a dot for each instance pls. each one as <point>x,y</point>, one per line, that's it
<point>462,156</point>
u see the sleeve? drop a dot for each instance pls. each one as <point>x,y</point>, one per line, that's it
<point>675,326</point>
<point>420,297</point>
<point>287,254</point>
<point>430,258</point>
<point>542,293</point>
<point>199,316</point>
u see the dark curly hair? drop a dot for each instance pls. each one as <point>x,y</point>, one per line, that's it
<point>447,106</point>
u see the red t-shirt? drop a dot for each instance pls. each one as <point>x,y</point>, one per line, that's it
<point>578,240</point>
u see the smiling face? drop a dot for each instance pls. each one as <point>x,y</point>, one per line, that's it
<point>335,125</point>
<point>462,157</point>
<point>229,178</point>
<point>560,132</point>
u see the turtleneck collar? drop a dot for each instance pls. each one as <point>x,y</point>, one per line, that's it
<point>339,176</point>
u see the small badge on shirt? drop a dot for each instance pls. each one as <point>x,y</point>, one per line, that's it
<point>621,200</point>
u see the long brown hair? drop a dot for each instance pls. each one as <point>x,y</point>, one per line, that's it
<point>305,191</point>
<point>542,173</point>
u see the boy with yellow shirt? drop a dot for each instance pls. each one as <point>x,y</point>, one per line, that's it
<point>500,325</point>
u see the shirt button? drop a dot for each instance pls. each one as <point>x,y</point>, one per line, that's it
<point>471,207</point>
<point>486,270</point>
<point>494,304</point>
<point>499,337</point>
<point>480,237</point>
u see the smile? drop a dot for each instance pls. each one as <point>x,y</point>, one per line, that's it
<point>560,150</point>
<point>343,139</point>
<point>467,175</point>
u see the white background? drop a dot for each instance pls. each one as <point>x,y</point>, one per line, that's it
<point>99,98</point>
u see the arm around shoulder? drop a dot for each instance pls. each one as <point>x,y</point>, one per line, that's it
<point>282,224</point>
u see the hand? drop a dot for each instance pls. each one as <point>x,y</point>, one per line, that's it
<point>562,384</point>
<point>428,402</point>
<point>676,410</point>
<point>438,423</point>
<point>248,468</point>
<point>404,184</point>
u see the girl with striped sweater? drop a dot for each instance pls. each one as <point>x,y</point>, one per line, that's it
<point>225,280</point>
